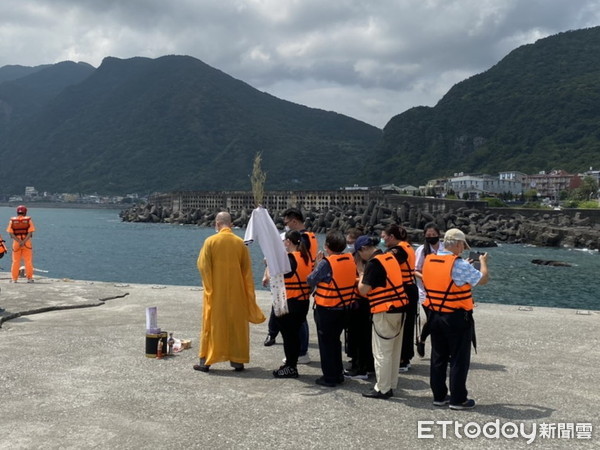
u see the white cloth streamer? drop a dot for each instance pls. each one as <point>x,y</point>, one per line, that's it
<point>262,229</point>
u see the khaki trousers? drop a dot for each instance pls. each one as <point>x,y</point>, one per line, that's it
<point>387,346</point>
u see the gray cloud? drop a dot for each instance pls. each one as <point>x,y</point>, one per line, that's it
<point>369,60</point>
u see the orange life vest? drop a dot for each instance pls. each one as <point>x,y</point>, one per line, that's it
<point>442,294</point>
<point>296,287</point>
<point>408,268</point>
<point>314,244</point>
<point>339,292</point>
<point>392,296</point>
<point>20,225</point>
<point>357,295</point>
<point>3,248</point>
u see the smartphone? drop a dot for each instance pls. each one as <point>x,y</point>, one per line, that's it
<point>474,256</point>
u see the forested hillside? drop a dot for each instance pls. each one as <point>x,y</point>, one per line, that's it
<point>175,123</point>
<point>537,109</point>
<point>172,123</point>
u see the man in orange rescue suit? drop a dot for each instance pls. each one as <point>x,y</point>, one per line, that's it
<point>21,230</point>
<point>447,279</point>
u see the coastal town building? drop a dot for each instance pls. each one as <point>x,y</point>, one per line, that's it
<point>595,174</point>
<point>464,186</point>
<point>551,184</point>
<point>478,186</point>
<point>470,186</point>
<point>273,200</point>
<point>514,175</point>
<point>30,192</point>
<point>405,189</point>
<point>435,188</point>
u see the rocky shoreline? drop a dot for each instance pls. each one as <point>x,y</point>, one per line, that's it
<point>484,227</point>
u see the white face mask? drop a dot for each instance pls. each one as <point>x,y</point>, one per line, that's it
<point>350,247</point>
<point>286,228</point>
<point>216,229</point>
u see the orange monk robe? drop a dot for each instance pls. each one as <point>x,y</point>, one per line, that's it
<point>229,299</point>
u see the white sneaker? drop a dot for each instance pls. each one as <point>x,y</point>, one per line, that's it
<point>404,368</point>
<point>30,280</point>
<point>304,359</point>
<point>355,375</point>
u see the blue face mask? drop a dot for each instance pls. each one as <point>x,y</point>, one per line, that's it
<point>382,245</point>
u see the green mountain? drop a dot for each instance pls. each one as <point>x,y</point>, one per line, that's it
<point>143,125</point>
<point>14,72</point>
<point>537,109</point>
<point>25,90</point>
<point>175,123</point>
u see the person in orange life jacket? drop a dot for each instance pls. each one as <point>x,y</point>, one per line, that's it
<point>448,279</point>
<point>395,238</point>
<point>335,280</point>
<point>21,230</point>
<point>358,332</point>
<point>380,279</point>
<point>298,300</point>
<point>432,244</point>
<point>293,219</point>
<point>3,249</point>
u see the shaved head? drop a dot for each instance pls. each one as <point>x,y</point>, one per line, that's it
<point>223,219</point>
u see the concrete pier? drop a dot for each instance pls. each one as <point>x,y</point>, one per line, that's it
<point>73,374</point>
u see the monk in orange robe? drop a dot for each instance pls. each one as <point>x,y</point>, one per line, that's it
<point>229,298</point>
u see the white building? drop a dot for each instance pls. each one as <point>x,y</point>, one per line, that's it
<point>477,186</point>
<point>30,192</point>
<point>512,176</point>
<point>595,174</point>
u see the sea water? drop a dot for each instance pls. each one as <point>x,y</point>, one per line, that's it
<point>94,244</point>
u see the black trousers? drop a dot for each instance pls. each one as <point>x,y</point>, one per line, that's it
<point>273,325</point>
<point>330,324</point>
<point>274,331</point>
<point>425,330</point>
<point>289,325</point>
<point>408,336</point>
<point>358,337</point>
<point>451,336</point>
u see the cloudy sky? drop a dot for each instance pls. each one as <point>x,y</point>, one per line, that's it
<point>369,59</point>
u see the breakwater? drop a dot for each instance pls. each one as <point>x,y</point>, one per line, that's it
<point>484,226</point>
